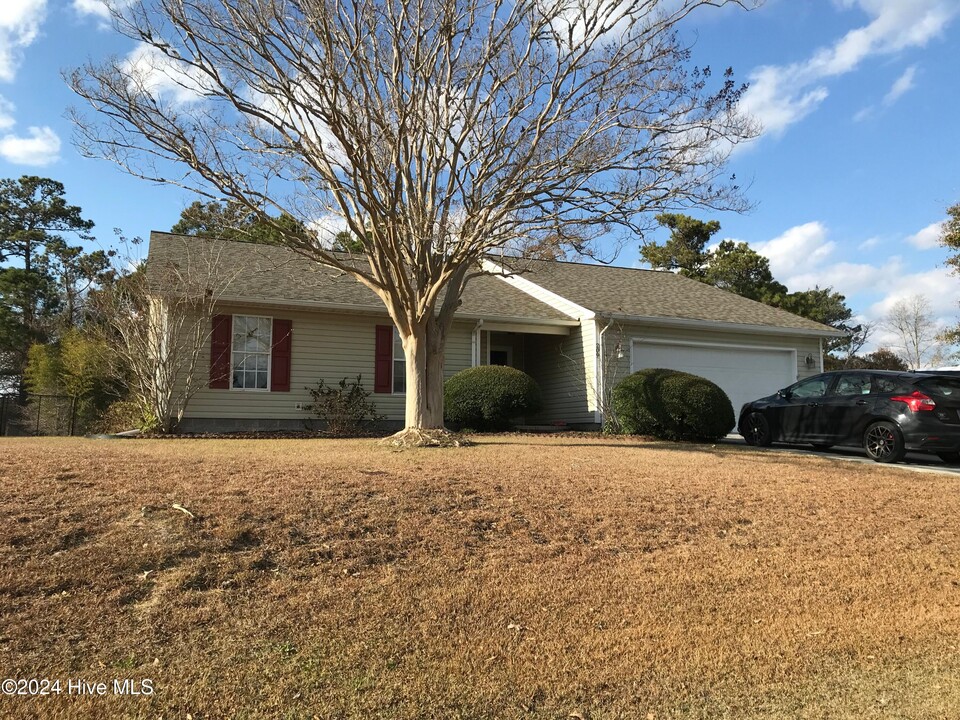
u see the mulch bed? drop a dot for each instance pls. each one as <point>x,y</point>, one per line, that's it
<point>371,434</point>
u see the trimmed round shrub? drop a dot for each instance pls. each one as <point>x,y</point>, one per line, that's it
<point>672,405</point>
<point>487,397</point>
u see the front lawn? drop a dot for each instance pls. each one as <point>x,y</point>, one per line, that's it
<point>521,578</point>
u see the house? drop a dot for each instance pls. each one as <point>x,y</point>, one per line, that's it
<point>283,323</point>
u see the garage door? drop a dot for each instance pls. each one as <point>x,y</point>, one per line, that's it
<point>744,373</point>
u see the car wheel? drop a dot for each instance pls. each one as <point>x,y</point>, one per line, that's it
<point>884,443</point>
<point>951,458</point>
<point>822,446</point>
<point>756,430</point>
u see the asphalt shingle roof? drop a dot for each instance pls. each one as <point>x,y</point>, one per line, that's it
<point>659,294</point>
<point>265,273</point>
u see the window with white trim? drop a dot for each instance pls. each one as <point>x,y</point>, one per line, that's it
<point>250,356</point>
<point>399,364</point>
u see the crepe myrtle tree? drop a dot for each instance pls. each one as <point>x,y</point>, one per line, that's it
<point>435,131</point>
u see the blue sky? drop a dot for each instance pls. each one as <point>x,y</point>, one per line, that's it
<point>858,160</point>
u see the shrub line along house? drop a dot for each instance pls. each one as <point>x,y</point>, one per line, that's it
<point>283,322</point>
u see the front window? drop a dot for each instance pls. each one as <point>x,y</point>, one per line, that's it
<point>812,388</point>
<point>251,352</point>
<point>399,365</point>
<point>853,384</point>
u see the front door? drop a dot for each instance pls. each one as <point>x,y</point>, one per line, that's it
<point>501,355</point>
<point>800,416</point>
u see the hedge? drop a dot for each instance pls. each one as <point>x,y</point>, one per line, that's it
<point>672,405</point>
<point>488,397</point>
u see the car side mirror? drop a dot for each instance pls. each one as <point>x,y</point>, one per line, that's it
<point>784,393</point>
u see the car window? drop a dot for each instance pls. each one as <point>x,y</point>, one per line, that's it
<point>852,384</point>
<point>946,386</point>
<point>811,388</point>
<point>889,384</point>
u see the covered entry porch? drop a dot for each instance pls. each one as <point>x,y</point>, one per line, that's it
<point>553,355</point>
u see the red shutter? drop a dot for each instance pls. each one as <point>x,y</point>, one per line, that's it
<point>280,355</point>
<point>383,366</point>
<point>220,352</point>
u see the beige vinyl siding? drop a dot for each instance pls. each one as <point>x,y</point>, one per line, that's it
<point>625,333</point>
<point>330,346</point>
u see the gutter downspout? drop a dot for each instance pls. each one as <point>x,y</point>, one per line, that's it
<point>475,343</point>
<point>601,370</point>
<point>821,354</point>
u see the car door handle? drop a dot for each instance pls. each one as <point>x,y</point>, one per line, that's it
<point>813,404</point>
<point>862,402</point>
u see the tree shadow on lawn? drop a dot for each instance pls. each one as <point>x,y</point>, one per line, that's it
<point>718,448</point>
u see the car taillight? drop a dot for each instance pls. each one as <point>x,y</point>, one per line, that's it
<point>916,401</point>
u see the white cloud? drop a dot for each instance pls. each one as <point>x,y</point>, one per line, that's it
<point>326,227</point>
<point>42,147</point>
<point>152,72</point>
<point>903,84</point>
<point>97,8</point>
<point>939,286</point>
<point>781,95</point>
<point>20,22</point>
<point>928,238</point>
<point>803,257</point>
<point>770,102</point>
<point>7,120</point>
<point>294,110</point>
<point>850,278</point>
<point>799,250</point>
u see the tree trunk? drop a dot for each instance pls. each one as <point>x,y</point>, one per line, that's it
<point>423,349</point>
<point>424,342</point>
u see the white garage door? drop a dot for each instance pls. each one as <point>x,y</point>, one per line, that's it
<point>745,374</point>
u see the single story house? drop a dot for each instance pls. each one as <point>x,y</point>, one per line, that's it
<point>283,322</point>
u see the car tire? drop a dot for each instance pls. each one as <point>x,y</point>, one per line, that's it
<point>884,443</point>
<point>755,429</point>
<point>822,446</point>
<point>950,458</point>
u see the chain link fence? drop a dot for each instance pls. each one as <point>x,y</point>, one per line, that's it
<point>37,415</point>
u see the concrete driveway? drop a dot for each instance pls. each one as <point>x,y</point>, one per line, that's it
<point>917,462</point>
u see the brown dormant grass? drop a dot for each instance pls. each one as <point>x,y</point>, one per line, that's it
<point>520,578</point>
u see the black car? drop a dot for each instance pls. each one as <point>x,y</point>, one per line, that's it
<point>886,413</point>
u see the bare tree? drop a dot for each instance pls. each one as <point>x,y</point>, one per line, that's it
<point>157,320</point>
<point>437,131</point>
<point>917,333</point>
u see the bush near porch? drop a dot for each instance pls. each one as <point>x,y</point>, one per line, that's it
<point>488,397</point>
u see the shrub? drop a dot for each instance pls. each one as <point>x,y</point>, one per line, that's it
<point>123,415</point>
<point>489,396</point>
<point>672,405</point>
<point>343,408</point>
<point>79,366</point>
